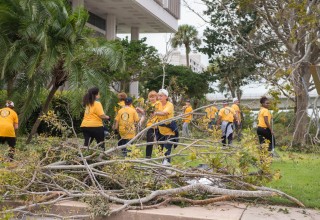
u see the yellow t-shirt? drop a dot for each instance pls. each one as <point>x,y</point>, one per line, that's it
<point>92,114</point>
<point>189,117</point>
<point>227,114</point>
<point>211,112</point>
<point>262,113</point>
<point>126,118</point>
<point>236,108</point>
<point>8,118</point>
<point>153,119</point>
<point>168,107</point>
<point>120,105</point>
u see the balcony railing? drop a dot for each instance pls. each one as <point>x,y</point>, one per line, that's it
<point>171,6</point>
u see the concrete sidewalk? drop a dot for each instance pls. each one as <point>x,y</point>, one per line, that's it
<point>217,211</point>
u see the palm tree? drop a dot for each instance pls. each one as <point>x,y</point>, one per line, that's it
<point>187,35</point>
<point>55,46</point>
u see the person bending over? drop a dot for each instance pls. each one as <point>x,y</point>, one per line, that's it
<point>8,125</point>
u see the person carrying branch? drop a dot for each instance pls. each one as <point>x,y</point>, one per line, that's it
<point>153,131</point>
<point>8,125</point>
<point>211,115</point>
<point>226,117</point>
<point>125,121</point>
<point>165,111</point>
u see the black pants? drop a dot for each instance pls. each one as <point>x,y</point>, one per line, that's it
<point>167,145</point>
<point>152,134</point>
<point>224,137</point>
<point>12,143</point>
<point>91,133</point>
<point>123,142</point>
<point>265,134</point>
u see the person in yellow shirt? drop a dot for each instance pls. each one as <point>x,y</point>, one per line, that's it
<point>226,116</point>
<point>92,125</point>
<point>264,130</point>
<point>8,125</point>
<point>237,124</point>
<point>152,133</point>
<point>211,115</point>
<point>125,123</point>
<point>187,119</point>
<point>165,111</point>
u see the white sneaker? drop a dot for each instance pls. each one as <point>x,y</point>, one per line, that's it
<point>165,162</point>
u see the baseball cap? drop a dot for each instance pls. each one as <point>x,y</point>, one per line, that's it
<point>225,102</point>
<point>9,104</point>
<point>188,100</point>
<point>164,92</point>
<point>128,101</point>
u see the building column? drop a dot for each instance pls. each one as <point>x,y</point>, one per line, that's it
<point>134,86</point>
<point>77,3</point>
<point>134,33</point>
<point>111,24</point>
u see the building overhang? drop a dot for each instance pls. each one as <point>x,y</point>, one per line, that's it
<point>147,15</point>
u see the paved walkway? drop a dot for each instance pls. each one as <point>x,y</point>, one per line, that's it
<point>217,211</point>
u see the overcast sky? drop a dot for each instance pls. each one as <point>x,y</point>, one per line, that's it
<point>253,90</point>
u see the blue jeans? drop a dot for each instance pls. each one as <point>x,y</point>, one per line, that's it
<point>211,123</point>
<point>123,142</point>
<point>167,145</point>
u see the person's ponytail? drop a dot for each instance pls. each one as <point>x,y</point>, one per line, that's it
<point>90,96</point>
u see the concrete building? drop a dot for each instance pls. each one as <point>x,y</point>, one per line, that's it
<point>177,58</point>
<point>112,17</point>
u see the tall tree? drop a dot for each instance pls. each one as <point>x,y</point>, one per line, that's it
<point>232,72</point>
<point>140,61</point>
<point>288,32</point>
<point>52,41</point>
<point>186,35</point>
<point>192,85</point>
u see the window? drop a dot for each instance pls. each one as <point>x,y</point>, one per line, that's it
<point>97,21</point>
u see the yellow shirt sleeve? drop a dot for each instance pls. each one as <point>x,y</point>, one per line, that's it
<point>98,109</point>
<point>136,116</point>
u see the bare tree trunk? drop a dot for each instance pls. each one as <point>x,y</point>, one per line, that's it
<point>187,59</point>
<point>44,110</point>
<point>301,84</point>
<point>60,77</point>
<point>232,90</point>
<point>10,84</point>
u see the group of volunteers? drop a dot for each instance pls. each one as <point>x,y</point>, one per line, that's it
<point>126,119</point>
<point>230,119</point>
<point>159,126</point>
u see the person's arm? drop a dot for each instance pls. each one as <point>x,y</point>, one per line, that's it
<point>106,117</point>
<point>116,125</point>
<point>236,118</point>
<point>140,110</point>
<point>267,123</point>
<point>15,121</point>
<point>99,111</point>
<point>143,117</point>
<point>161,113</point>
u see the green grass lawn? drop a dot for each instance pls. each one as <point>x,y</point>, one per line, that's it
<point>300,177</point>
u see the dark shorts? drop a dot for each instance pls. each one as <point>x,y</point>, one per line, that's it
<point>10,140</point>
